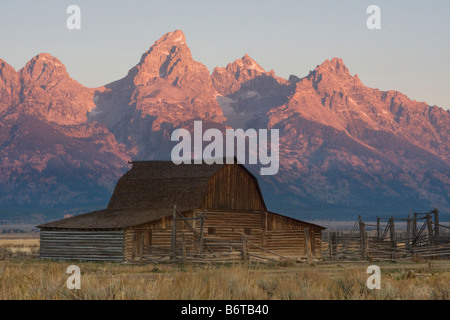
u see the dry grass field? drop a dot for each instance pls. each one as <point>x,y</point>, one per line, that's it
<point>24,277</point>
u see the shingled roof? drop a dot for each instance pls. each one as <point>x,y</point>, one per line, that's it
<point>109,219</point>
<point>161,184</point>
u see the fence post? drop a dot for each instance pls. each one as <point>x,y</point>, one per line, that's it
<point>408,227</point>
<point>244,248</point>
<point>366,245</point>
<point>333,245</point>
<point>394,240</point>
<point>378,228</point>
<point>307,245</point>
<point>201,241</point>
<point>436,222</point>
<point>174,230</point>
<point>330,245</point>
<point>394,251</point>
<point>362,231</point>
<point>430,230</point>
<point>414,226</point>
<point>392,228</point>
<point>183,247</point>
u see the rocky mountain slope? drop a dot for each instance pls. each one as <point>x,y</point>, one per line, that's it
<point>51,156</point>
<point>345,149</point>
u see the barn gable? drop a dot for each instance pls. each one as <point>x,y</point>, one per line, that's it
<point>233,187</point>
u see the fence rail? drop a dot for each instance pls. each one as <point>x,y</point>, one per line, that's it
<point>431,239</point>
<point>218,251</point>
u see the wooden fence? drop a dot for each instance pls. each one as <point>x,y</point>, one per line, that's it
<point>191,245</point>
<point>189,251</point>
<point>217,251</point>
<point>424,236</point>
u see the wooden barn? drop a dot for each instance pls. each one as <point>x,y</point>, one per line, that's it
<point>161,211</point>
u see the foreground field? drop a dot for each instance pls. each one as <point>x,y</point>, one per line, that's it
<point>24,277</point>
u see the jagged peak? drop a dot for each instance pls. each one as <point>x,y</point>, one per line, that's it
<point>48,59</point>
<point>246,62</point>
<point>176,36</point>
<point>334,66</point>
<point>249,60</point>
<point>169,58</point>
<point>167,42</point>
<point>333,71</point>
<point>44,63</point>
<point>165,47</point>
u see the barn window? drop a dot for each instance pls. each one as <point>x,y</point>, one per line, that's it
<point>248,231</point>
<point>211,230</point>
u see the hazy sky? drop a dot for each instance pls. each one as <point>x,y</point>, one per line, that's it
<point>411,52</point>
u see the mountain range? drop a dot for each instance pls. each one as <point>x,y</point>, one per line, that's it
<point>345,148</point>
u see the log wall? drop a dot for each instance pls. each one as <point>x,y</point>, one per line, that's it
<point>82,245</point>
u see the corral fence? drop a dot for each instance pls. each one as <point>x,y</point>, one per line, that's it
<point>212,250</point>
<point>424,237</point>
<point>192,246</point>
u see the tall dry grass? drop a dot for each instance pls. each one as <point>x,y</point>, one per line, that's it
<point>26,279</point>
<point>306,284</point>
<point>11,249</point>
<point>46,280</point>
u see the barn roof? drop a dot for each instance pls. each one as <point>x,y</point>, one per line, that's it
<point>161,184</point>
<point>148,192</point>
<point>109,219</point>
<point>293,219</point>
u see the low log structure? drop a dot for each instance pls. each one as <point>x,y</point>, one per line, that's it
<point>160,211</point>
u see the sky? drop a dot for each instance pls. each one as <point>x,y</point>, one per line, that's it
<point>410,53</point>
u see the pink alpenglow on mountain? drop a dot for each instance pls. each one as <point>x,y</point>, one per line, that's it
<point>344,148</point>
